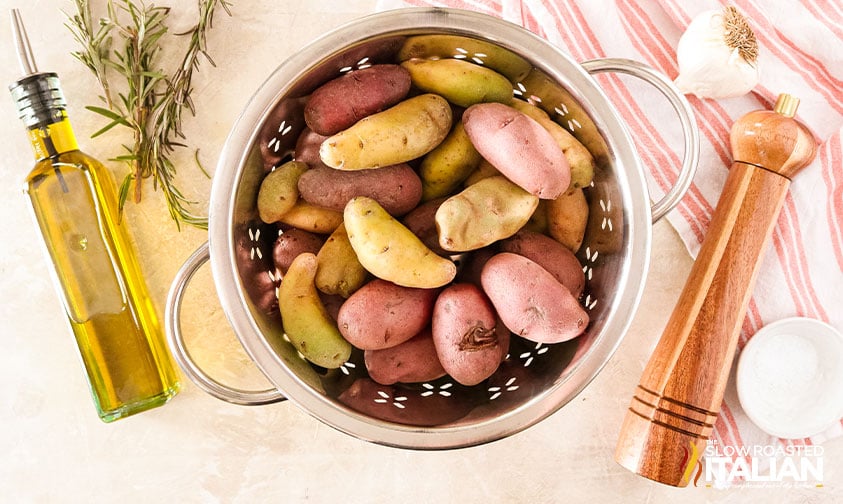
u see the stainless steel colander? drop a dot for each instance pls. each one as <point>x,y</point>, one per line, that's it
<point>535,380</point>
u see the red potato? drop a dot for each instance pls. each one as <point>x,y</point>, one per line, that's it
<point>413,361</point>
<point>260,285</point>
<point>422,222</point>
<point>307,148</point>
<point>464,327</point>
<point>343,101</point>
<point>472,264</point>
<point>291,243</point>
<point>397,188</point>
<point>275,127</point>
<point>382,314</point>
<point>530,301</point>
<point>550,255</point>
<point>519,147</point>
<point>332,304</point>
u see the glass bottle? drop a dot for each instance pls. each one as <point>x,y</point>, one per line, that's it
<point>74,202</point>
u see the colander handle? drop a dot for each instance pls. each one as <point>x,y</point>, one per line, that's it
<point>172,316</point>
<point>686,118</point>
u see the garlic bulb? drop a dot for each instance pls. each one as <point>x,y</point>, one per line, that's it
<point>718,55</point>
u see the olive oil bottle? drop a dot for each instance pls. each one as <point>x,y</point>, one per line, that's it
<point>74,202</point>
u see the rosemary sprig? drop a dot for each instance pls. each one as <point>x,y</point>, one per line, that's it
<point>126,44</point>
<point>97,44</point>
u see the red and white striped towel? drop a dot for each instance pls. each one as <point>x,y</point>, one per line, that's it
<point>801,53</point>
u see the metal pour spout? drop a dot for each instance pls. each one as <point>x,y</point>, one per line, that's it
<point>37,95</point>
<point>24,50</point>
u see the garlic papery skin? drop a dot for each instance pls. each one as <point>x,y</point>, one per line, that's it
<point>717,56</point>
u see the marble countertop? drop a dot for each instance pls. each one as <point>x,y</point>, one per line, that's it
<point>199,449</point>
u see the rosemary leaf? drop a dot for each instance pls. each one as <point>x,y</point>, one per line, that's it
<point>124,191</point>
<point>107,128</point>
<point>114,116</point>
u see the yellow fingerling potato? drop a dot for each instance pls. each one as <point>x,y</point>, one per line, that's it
<point>483,213</point>
<point>305,320</point>
<point>279,191</point>
<point>458,81</point>
<point>444,168</point>
<point>506,62</point>
<point>403,132</point>
<point>339,270</point>
<point>484,170</point>
<point>567,217</point>
<point>388,250</point>
<point>538,221</point>
<point>313,218</point>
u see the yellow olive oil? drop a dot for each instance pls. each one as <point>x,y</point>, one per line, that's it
<point>74,202</point>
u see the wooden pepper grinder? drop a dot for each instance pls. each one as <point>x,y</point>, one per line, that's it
<point>678,398</point>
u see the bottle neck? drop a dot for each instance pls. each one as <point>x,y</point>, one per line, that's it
<point>50,140</point>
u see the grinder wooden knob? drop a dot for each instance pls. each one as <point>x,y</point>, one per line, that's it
<point>678,398</point>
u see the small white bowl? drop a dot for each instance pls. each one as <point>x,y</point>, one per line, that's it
<point>790,377</point>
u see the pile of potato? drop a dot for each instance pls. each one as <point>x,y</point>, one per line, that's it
<point>427,216</point>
